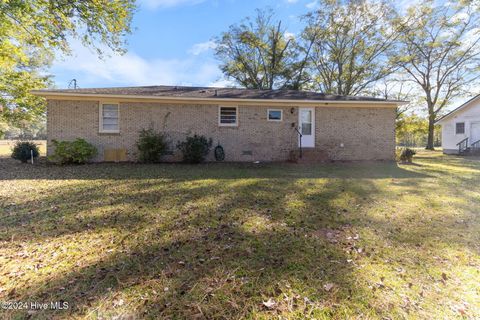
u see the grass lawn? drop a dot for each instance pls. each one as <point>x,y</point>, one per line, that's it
<point>362,240</point>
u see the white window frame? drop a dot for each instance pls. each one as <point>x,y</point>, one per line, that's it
<point>464,128</point>
<point>227,124</point>
<point>275,120</point>
<point>100,117</point>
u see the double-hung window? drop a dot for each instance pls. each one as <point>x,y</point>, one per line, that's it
<point>228,116</point>
<point>109,118</point>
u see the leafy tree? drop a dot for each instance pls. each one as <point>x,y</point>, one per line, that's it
<point>440,52</point>
<point>397,88</point>
<point>351,43</point>
<point>18,105</point>
<point>258,53</point>
<point>31,32</point>
<point>412,130</point>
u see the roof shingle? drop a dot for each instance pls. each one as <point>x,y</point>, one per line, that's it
<point>215,93</point>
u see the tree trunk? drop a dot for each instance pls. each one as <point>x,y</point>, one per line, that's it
<point>431,132</point>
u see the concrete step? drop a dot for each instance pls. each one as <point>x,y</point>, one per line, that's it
<point>309,155</point>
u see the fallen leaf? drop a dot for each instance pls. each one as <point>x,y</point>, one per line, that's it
<point>270,304</point>
<point>119,302</point>
<point>328,286</point>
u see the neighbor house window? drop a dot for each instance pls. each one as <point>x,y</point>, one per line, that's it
<point>460,128</point>
<point>109,118</point>
<point>228,116</point>
<point>275,115</point>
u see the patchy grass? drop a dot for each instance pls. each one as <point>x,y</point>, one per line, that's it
<point>362,240</point>
<point>7,145</point>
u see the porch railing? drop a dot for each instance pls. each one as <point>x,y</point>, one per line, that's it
<point>475,146</point>
<point>462,145</point>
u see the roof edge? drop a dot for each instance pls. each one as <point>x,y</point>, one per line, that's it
<point>465,104</point>
<point>50,94</point>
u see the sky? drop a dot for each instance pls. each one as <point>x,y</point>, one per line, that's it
<point>171,44</point>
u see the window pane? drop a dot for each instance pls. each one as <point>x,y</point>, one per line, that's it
<point>460,128</point>
<point>110,114</point>
<point>110,117</point>
<point>110,121</point>
<point>306,129</point>
<point>110,110</point>
<point>274,115</point>
<point>110,107</point>
<point>306,116</point>
<point>110,127</point>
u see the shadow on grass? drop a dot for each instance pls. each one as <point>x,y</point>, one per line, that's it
<point>12,170</point>
<point>214,241</point>
<point>220,260</point>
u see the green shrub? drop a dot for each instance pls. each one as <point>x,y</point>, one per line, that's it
<point>407,155</point>
<point>23,151</point>
<point>78,151</point>
<point>151,146</point>
<point>195,148</point>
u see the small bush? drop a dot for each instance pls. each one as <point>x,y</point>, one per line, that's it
<point>78,151</point>
<point>23,151</point>
<point>407,155</point>
<point>195,148</point>
<point>151,146</point>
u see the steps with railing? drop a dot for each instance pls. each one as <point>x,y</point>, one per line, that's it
<point>464,148</point>
<point>475,147</point>
<point>306,155</point>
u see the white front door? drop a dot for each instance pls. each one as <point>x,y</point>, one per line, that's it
<point>306,121</point>
<point>475,132</point>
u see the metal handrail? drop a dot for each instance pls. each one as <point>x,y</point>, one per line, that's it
<point>300,144</point>
<point>461,143</point>
<point>475,145</point>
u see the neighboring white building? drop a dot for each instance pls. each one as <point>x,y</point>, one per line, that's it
<point>461,127</point>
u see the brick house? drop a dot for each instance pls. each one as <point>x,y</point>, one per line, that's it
<point>251,125</point>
